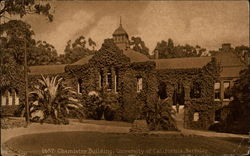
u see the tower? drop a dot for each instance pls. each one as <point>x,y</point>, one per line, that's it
<point>120,37</point>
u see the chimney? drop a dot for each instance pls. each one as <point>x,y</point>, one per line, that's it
<point>226,47</point>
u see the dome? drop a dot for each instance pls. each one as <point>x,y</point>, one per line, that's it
<point>120,31</point>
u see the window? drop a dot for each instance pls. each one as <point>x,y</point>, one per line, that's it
<point>139,84</point>
<point>79,86</point>
<point>10,98</point>
<point>116,81</point>
<point>16,97</point>
<point>217,91</point>
<point>226,85</point>
<point>3,98</point>
<point>109,79</point>
<point>196,116</point>
<point>195,91</point>
<point>101,79</point>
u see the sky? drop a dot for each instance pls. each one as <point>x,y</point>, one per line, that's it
<point>204,23</point>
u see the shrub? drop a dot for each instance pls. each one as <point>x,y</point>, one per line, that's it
<point>159,115</point>
<point>9,122</point>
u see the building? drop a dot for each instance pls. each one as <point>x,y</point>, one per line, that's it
<point>134,80</point>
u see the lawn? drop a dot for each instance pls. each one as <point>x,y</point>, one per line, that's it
<point>97,143</point>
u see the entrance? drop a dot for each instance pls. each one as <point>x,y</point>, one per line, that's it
<point>178,97</point>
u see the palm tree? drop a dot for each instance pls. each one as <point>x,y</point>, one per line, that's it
<point>54,99</point>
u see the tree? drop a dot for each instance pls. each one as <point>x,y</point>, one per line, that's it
<point>16,34</point>
<point>139,46</point>
<point>160,115</point>
<point>54,99</point>
<point>169,50</point>
<point>77,50</point>
<point>42,53</point>
<point>92,44</point>
<point>238,118</point>
<point>24,7</point>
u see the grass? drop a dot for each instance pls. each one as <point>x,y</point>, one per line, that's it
<point>97,143</point>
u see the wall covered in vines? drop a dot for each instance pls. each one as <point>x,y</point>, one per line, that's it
<point>123,97</point>
<point>204,105</point>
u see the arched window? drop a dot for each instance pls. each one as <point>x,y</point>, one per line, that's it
<point>79,86</point>
<point>109,79</point>
<point>3,98</point>
<point>16,97</point>
<point>10,98</point>
<point>195,91</point>
<point>101,79</point>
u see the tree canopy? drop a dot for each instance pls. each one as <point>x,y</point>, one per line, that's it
<point>138,45</point>
<point>167,49</point>
<point>18,35</point>
<point>24,7</point>
<point>78,49</point>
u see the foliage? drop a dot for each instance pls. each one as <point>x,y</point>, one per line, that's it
<point>77,50</point>
<point>238,118</point>
<point>18,35</point>
<point>54,99</point>
<point>160,115</point>
<point>9,123</point>
<point>24,7</point>
<point>42,53</point>
<point>94,107</point>
<point>167,49</point>
<point>139,45</point>
<point>99,104</point>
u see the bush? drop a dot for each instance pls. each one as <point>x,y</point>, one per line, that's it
<point>109,114</point>
<point>94,107</point>
<point>160,115</point>
<point>9,122</point>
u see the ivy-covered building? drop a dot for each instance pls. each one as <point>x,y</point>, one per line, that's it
<point>132,80</point>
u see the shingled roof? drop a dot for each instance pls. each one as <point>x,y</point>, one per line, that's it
<point>83,60</point>
<point>232,72</point>
<point>182,63</point>
<point>135,56</point>
<point>46,69</point>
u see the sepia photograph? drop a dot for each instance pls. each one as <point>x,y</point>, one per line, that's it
<point>124,77</point>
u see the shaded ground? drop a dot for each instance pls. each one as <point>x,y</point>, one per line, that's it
<point>89,136</point>
<point>96,143</point>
